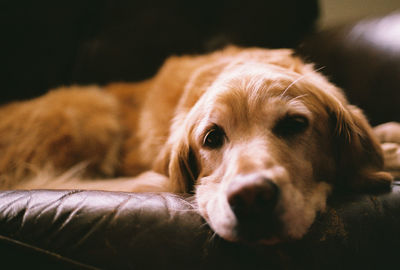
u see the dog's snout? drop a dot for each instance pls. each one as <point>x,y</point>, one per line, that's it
<point>252,197</point>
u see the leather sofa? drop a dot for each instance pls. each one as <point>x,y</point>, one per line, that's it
<point>362,58</point>
<point>108,230</point>
<point>76,229</point>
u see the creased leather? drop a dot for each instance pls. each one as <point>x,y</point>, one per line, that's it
<point>115,230</point>
<point>105,225</point>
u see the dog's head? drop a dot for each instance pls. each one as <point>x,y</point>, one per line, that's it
<point>262,139</point>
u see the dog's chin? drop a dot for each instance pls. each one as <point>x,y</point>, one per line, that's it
<point>263,230</point>
<point>270,241</point>
<point>259,241</point>
<point>251,235</point>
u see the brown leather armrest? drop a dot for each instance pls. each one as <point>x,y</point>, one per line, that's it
<point>81,229</point>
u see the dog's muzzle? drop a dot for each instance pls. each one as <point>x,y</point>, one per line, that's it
<point>253,199</point>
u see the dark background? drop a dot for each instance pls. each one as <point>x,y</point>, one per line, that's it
<point>46,44</point>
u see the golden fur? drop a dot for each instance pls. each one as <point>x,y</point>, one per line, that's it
<point>150,136</point>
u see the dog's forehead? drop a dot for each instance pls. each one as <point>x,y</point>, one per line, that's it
<point>249,72</point>
<point>254,90</point>
<point>253,81</point>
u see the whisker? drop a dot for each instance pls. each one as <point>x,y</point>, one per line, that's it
<point>213,240</point>
<point>319,69</point>
<point>213,237</point>
<point>290,85</point>
<point>205,224</point>
<point>299,79</point>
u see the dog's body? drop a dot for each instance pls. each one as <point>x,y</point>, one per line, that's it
<point>260,137</point>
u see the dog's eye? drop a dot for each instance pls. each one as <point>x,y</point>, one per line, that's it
<point>214,138</point>
<point>291,125</point>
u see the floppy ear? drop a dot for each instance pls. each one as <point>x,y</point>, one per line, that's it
<point>179,163</point>
<point>358,153</point>
<point>183,167</point>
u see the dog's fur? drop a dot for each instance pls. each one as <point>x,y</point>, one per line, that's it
<point>208,124</point>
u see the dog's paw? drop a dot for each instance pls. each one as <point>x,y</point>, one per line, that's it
<point>150,181</point>
<point>388,132</point>
<point>391,155</point>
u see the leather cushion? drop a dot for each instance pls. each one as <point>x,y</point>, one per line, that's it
<point>152,231</point>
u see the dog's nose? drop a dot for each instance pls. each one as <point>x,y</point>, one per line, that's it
<point>252,197</point>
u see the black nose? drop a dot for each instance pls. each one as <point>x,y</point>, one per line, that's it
<point>252,197</point>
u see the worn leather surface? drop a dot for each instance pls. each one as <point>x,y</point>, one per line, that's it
<point>114,230</point>
<point>93,229</point>
<point>364,59</point>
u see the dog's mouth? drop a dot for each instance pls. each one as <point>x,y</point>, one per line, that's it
<point>264,229</point>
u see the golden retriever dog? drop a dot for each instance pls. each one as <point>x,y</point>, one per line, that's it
<point>258,136</point>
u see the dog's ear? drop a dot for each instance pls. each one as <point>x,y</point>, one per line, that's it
<point>178,161</point>
<point>358,153</point>
<point>184,167</point>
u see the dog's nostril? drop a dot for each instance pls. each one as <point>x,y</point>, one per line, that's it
<point>253,198</point>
